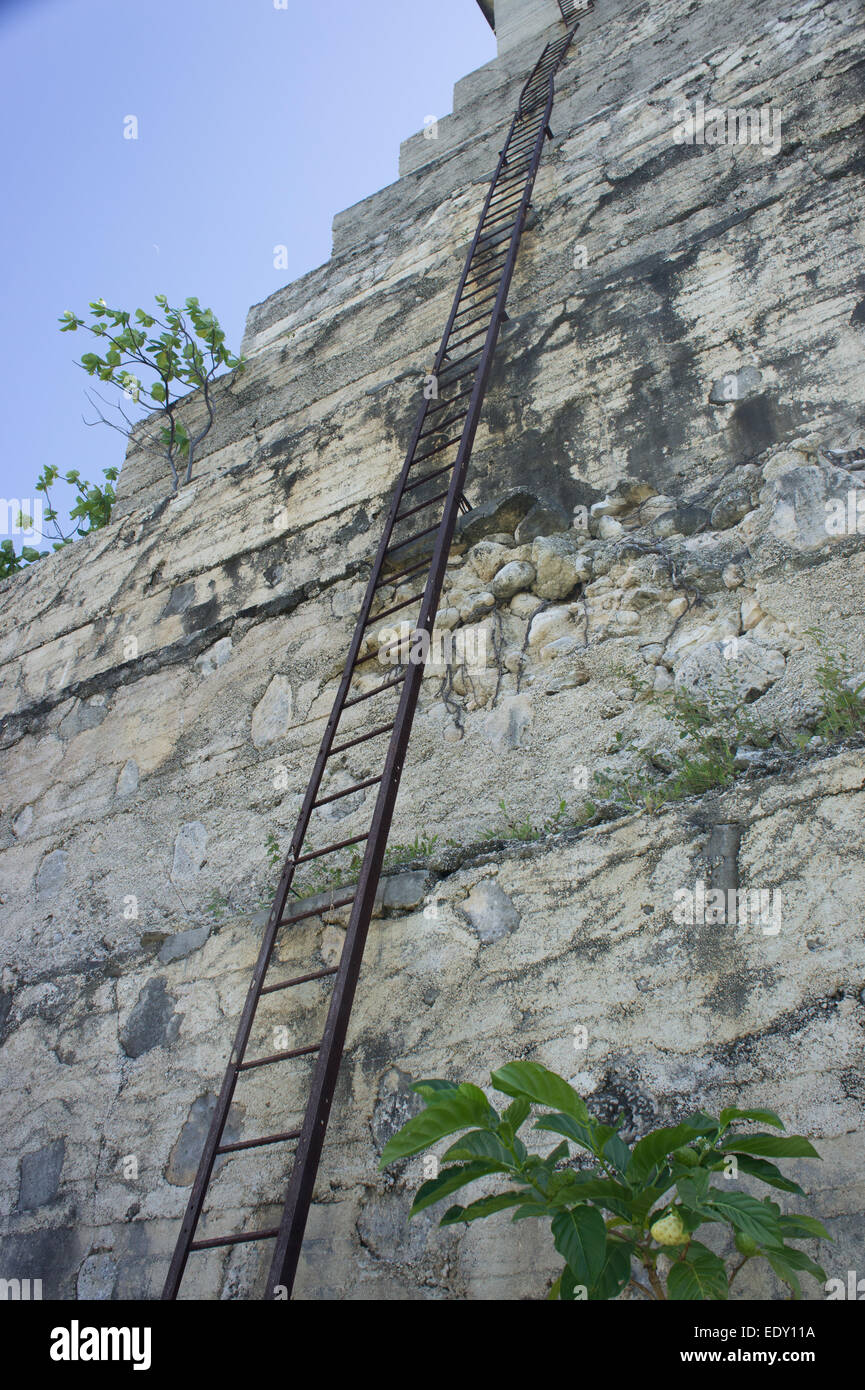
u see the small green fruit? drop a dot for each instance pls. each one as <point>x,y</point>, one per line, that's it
<point>688,1157</point>
<point>669,1230</point>
<point>746,1245</point>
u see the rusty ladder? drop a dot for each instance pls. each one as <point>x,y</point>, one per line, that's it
<point>445,423</point>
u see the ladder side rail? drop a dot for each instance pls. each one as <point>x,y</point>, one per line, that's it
<point>226,1093</point>
<point>286,1255</point>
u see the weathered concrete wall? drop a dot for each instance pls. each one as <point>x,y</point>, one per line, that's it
<point>165,682</point>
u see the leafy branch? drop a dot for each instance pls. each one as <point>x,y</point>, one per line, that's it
<point>185,355</point>
<point>631,1205</point>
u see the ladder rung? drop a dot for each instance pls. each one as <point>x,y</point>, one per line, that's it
<point>472,308</point>
<point>481,333</point>
<point>460,415</point>
<point>520,148</point>
<point>390,579</point>
<point>258,1143</point>
<point>278,1057</point>
<point>397,642</point>
<point>428,477</point>
<point>461,342</point>
<point>234,1240</point>
<point>500,226</point>
<point>363,738</point>
<point>410,540</point>
<point>503,227</point>
<point>514,171</point>
<point>484,301</point>
<point>514,178</point>
<point>311,912</point>
<point>522,137</point>
<point>347,791</point>
<point>505,210</point>
<point>469,324</point>
<point>428,454</point>
<point>479,297</point>
<point>415,598</point>
<point>467,365</point>
<point>314,975</point>
<point>510,197</point>
<point>509,191</point>
<point>341,844</point>
<point>358,700</point>
<point>403,516</point>
<point>487,265</point>
<point>443,405</point>
<point>489,271</point>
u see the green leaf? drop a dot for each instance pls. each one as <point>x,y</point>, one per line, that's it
<point>767,1173</point>
<point>532,1208</point>
<point>615,1273</point>
<point>616,1151</point>
<point>553,1157</point>
<point>700,1275</point>
<point>769,1145</point>
<point>785,1272</point>
<point>694,1187</point>
<point>764,1117</point>
<point>535,1083</point>
<point>588,1187</point>
<point>650,1152</point>
<point>570,1128</point>
<point>702,1124</point>
<point>748,1215</point>
<point>428,1089</point>
<point>451,1180</point>
<point>581,1239</point>
<point>479,1143</point>
<point>517,1113</point>
<point>462,1108</point>
<point>799,1227</point>
<point>484,1206</point>
<point>796,1259</point>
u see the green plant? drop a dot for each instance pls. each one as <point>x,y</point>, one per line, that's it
<point>217,906</point>
<point>842,703</point>
<point>92,510</point>
<point>512,829</point>
<point>272,850</point>
<point>11,563</point>
<point>185,355</point>
<point>421,847</point>
<point>631,1204</point>
<point>710,732</point>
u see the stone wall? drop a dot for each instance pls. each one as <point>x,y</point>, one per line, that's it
<point>650,486</point>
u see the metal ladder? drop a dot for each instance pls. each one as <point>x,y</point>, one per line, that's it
<point>446,424</point>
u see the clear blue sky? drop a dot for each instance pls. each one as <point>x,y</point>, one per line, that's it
<point>256,126</point>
